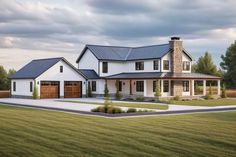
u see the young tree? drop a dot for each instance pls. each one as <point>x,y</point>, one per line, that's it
<point>223,92</point>
<point>229,65</point>
<point>157,91</point>
<point>35,91</point>
<point>117,95</point>
<point>205,65</point>
<point>106,91</point>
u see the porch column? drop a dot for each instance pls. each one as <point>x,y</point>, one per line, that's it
<point>204,87</point>
<point>130,87</point>
<point>218,87</point>
<point>192,87</point>
<point>161,87</point>
<point>145,88</point>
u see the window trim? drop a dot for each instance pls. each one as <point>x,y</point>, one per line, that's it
<point>104,67</point>
<point>94,86</point>
<point>61,69</point>
<point>186,87</point>
<point>31,86</point>
<point>164,65</point>
<point>139,65</point>
<point>156,66</point>
<point>186,67</point>
<point>14,86</point>
<point>139,86</point>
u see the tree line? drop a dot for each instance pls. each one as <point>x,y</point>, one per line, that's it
<point>5,82</point>
<point>205,65</point>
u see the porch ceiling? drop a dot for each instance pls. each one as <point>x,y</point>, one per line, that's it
<point>160,75</point>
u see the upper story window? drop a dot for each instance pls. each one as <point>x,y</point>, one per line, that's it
<point>186,65</point>
<point>14,86</point>
<point>31,86</point>
<point>104,67</point>
<point>61,69</point>
<point>94,87</point>
<point>139,65</point>
<point>166,65</point>
<point>156,65</point>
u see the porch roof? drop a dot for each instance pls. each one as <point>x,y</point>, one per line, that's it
<point>161,75</point>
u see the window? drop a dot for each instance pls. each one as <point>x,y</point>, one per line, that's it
<point>186,86</point>
<point>120,86</point>
<point>104,67</point>
<point>166,65</point>
<point>94,88</point>
<point>14,86</point>
<point>139,86</point>
<point>166,86</point>
<point>61,69</point>
<point>139,65</point>
<point>186,65</point>
<point>156,65</point>
<point>31,86</point>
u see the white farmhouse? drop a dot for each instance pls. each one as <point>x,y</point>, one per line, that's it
<point>136,69</point>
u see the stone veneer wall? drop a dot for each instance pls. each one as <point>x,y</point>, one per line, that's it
<point>176,56</point>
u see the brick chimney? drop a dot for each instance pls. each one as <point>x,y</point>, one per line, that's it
<point>176,55</point>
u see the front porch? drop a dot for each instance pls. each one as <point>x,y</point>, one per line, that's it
<point>185,88</point>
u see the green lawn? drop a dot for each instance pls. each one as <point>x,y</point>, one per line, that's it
<point>218,102</point>
<point>123,104</point>
<point>38,133</point>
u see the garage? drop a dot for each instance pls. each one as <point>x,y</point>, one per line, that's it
<point>72,89</point>
<point>49,89</point>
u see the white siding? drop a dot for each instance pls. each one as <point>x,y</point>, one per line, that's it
<point>69,74</point>
<point>88,61</point>
<point>22,87</point>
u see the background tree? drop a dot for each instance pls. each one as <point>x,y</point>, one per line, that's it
<point>205,65</point>
<point>229,65</point>
<point>3,78</point>
<point>9,74</point>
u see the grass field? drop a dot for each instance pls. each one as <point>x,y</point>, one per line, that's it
<point>218,102</point>
<point>37,133</point>
<point>123,104</point>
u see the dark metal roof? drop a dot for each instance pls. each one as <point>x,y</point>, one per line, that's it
<point>153,75</point>
<point>36,67</point>
<point>89,73</point>
<point>118,53</point>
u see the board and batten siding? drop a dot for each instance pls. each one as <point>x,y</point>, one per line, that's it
<point>89,61</point>
<point>69,74</point>
<point>22,87</point>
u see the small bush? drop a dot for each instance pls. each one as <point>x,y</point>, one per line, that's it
<point>140,98</point>
<point>223,92</point>
<point>177,98</point>
<point>208,96</point>
<point>114,110</point>
<point>131,110</point>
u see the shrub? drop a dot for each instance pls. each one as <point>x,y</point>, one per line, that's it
<point>223,92</point>
<point>106,91</point>
<point>157,91</point>
<point>140,98</point>
<point>208,96</point>
<point>177,98</point>
<point>35,91</point>
<point>107,109</point>
<point>114,110</point>
<point>131,110</point>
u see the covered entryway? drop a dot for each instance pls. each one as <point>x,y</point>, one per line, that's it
<point>49,89</point>
<point>72,89</point>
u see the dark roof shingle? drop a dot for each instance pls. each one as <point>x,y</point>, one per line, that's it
<point>89,73</point>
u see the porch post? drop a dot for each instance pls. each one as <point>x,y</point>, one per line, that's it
<point>192,87</point>
<point>162,87</point>
<point>204,87</point>
<point>218,87</point>
<point>145,88</point>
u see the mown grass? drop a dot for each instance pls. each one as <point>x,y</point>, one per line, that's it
<point>38,133</point>
<point>213,102</point>
<point>123,104</point>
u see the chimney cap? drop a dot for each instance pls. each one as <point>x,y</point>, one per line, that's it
<point>175,38</point>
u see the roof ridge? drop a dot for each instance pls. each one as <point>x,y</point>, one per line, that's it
<point>108,46</point>
<point>48,58</point>
<point>150,45</point>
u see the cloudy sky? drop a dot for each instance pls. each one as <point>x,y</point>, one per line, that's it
<point>31,29</point>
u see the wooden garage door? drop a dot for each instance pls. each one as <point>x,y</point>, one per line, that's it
<point>72,89</point>
<point>49,89</point>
